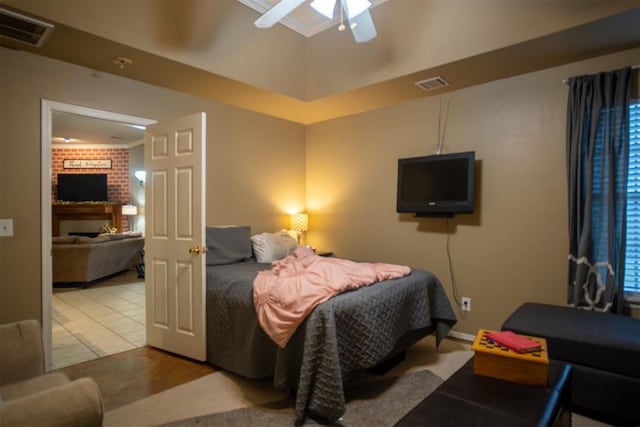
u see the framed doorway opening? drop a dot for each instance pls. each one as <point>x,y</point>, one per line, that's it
<point>47,109</point>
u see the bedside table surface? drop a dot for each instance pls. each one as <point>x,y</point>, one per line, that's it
<point>324,253</point>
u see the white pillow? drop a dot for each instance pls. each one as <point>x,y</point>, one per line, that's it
<point>269,247</point>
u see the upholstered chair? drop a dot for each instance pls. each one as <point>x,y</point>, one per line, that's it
<point>31,397</point>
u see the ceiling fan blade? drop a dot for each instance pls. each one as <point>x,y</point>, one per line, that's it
<point>364,30</point>
<point>277,12</point>
<point>324,7</point>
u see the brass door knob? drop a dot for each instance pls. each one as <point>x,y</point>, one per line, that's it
<point>198,250</point>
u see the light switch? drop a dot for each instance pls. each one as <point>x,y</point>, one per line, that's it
<point>6,227</point>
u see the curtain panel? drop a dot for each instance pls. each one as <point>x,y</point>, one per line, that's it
<point>597,166</point>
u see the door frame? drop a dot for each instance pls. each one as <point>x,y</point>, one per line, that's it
<point>47,108</point>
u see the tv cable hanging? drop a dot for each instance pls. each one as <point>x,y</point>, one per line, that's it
<point>442,128</point>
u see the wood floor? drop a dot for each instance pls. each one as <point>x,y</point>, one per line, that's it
<point>126,377</point>
<point>135,374</point>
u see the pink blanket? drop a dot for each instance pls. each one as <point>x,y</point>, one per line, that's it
<point>286,294</point>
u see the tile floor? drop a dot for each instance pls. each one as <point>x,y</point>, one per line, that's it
<point>97,322</point>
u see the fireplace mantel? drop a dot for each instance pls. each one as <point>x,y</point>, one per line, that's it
<point>85,211</point>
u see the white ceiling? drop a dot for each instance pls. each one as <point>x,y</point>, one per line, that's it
<point>83,130</point>
<point>304,19</point>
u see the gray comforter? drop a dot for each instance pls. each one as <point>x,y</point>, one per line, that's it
<point>347,334</point>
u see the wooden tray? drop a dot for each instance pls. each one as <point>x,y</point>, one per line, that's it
<point>494,360</point>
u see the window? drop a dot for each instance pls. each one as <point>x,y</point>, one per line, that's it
<point>632,260</point>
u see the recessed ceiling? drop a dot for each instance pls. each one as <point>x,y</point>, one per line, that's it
<point>279,73</point>
<point>92,131</point>
<point>303,20</point>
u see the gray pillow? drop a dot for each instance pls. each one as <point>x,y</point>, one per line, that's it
<point>227,245</point>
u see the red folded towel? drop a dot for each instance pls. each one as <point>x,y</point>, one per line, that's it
<point>515,342</point>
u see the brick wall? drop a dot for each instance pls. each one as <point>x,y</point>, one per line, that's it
<point>117,176</point>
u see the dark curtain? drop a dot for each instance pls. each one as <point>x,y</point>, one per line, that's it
<point>597,163</point>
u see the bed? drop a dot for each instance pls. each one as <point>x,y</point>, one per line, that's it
<point>342,337</point>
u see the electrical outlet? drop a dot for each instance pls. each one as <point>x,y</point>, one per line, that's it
<point>466,304</point>
<point>6,227</point>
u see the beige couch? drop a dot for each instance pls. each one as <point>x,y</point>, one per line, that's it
<point>29,396</point>
<point>78,259</point>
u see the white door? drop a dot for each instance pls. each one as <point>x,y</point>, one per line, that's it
<point>175,235</point>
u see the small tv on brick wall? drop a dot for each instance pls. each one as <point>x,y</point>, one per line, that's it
<point>82,187</point>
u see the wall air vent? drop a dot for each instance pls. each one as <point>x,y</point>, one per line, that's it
<point>15,26</point>
<point>432,83</point>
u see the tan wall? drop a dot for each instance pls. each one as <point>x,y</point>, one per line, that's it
<point>255,164</point>
<point>514,247</point>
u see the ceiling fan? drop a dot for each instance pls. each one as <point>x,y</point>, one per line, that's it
<point>356,11</point>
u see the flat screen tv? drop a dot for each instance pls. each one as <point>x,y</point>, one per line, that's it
<point>437,185</point>
<point>82,187</point>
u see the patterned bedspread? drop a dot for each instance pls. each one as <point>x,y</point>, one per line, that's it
<point>349,333</point>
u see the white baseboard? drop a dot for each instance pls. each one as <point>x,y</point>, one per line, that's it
<point>462,336</point>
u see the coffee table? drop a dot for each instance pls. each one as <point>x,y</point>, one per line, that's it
<point>466,399</point>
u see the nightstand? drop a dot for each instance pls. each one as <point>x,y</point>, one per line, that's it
<point>324,253</point>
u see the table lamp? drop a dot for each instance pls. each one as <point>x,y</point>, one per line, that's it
<point>130,210</point>
<point>299,222</point>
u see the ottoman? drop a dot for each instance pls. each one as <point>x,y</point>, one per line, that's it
<point>604,350</point>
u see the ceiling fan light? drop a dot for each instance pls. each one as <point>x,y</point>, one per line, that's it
<point>355,7</point>
<point>324,7</point>
<point>341,27</point>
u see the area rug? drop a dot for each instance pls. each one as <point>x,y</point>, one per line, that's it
<point>222,396</point>
<point>378,403</point>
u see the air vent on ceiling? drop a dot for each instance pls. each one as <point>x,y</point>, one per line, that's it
<point>22,28</point>
<point>432,83</point>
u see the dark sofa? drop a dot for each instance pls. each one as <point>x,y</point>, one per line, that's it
<point>604,351</point>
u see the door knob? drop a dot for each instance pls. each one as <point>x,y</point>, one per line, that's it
<point>198,250</point>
